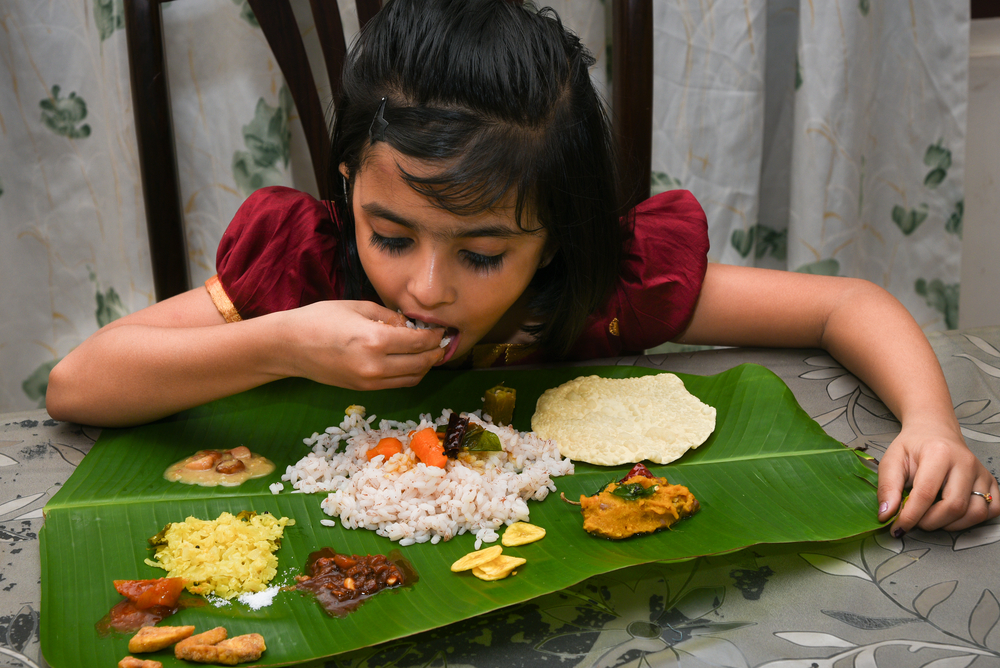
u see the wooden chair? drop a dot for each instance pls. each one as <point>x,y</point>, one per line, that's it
<point>632,93</point>
<point>154,125</point>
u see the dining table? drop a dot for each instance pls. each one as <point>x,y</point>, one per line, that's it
<point>928,598</point>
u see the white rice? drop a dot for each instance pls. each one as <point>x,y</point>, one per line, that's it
<point>420,324</point>
<point>410,502</point>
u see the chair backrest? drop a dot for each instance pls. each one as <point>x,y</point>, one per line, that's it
<point>632,93</point>
<point>154,124</point>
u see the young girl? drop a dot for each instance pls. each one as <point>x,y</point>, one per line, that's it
<point>477,195</point>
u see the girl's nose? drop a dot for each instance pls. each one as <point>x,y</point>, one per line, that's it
<point>431,283</point>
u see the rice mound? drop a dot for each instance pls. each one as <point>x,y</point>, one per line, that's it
<point>410,502</point>
<point>611,421</point>
<point>227,557</point>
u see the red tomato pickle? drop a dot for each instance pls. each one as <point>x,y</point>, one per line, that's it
<point>147,593</point>
<point>342,582</point>
<point>147,603</point>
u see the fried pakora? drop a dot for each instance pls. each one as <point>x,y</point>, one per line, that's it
<point>213,646</point>
<point>209,637</point>
<point>132,662</point>
<point>155,638</point>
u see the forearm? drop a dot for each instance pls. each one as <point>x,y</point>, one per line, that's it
<point>136,373</point>
<point>864,327</point>
<point>875,337</point>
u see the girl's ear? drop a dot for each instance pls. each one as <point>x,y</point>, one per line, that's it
<point>548,254</point>
<point>345,174</point>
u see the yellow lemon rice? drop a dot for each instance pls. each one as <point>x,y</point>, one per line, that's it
<point>228,556</point>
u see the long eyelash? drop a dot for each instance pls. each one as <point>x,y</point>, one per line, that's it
<point>484,263</point>
<point>391,245</point>
<point>396,245</point>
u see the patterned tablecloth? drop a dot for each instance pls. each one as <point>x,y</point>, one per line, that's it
<point>929,599</point>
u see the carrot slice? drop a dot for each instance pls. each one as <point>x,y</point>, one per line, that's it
<point>388,447</point>
<point>428,448</point>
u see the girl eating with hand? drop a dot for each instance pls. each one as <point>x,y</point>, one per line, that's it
<point>477,221</point>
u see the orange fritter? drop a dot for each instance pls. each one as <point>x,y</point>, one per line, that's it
<point>213,647</point>
<point>132,662</point>
<point>240,649</point>
<point>210,637</point>
<point>155,638</point>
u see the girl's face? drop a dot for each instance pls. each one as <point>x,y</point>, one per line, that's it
<point>464,273</point>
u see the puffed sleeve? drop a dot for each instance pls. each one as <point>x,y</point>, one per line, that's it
<point>664,268</point>
<point>278,253</point>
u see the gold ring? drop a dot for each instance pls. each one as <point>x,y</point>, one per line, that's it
<point>987,496</point>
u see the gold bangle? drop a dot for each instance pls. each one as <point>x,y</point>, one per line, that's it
<point>222,300</point>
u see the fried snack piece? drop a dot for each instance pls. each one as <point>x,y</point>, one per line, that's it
<point>155,638</point>
<point>213,646</point>
<point>240,649</point>
<point>521,533</point>
<point>230,652</point>
<point>621,509</point>
<point>473,559</point>
<point>132,662</point>
<point>210,637</point>
<point>199,653</point>
<point>499,568</point>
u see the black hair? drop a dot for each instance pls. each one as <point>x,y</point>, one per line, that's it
<point>500,96</point>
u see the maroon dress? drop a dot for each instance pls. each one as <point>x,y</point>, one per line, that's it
<point>280,252</point>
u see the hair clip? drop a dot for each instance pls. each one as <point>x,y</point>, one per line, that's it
<point>376,131</point>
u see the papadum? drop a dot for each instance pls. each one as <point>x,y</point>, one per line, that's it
<point>611,421</point>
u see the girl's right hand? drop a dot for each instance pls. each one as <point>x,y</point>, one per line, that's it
<point>357,345</point>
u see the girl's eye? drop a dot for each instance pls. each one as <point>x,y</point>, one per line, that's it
<point>477,261</point>
<point>390,245</point>
<point>483,263</point>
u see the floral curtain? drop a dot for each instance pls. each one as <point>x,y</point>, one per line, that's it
<point>73,226</point>
<point>823,137</point>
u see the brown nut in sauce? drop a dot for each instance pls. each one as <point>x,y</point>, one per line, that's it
<point>341,582</point>
<point>230,466</point>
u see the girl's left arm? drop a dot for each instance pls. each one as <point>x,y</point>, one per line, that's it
<point>873,335</point>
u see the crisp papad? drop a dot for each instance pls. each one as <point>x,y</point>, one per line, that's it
<point>611,421</point>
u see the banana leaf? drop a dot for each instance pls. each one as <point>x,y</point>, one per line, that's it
<point>768,474</point>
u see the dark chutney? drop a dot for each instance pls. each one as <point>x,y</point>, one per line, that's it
<point>342,582</point>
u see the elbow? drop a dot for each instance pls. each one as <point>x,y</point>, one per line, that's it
<point>77,394</point>
<point>861,306</point>
<point>66,396</point>
<point>864,294</point>
<point>58,403</point>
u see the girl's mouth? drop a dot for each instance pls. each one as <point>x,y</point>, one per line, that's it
<point>452,337</point>
<point>449,338</point>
